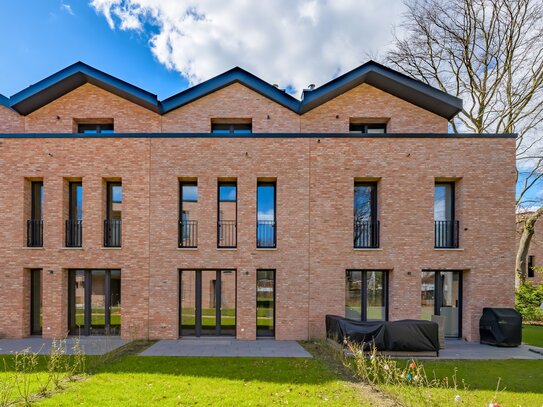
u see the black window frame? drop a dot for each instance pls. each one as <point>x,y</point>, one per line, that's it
<point>268,333</point>
<point>110,224</point>
<point>74,225</point>
<point>193,239</point>
<point>219,220</point>
<point>232,128</point>
<point>364,127</point>
<point>98,128</point>
<point>452,230</point>
<point>373,229</point>
<point>364,292</point>
<point>274,184</point>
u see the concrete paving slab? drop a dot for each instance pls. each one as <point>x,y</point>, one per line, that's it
<point>90,345</point>
<point>227,348</point>
<point>459,349</point>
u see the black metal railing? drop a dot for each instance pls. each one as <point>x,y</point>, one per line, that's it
<point>366,234</point>
<point>188,233</point>
<point>265,234</point>
<point>446,234</point>
<point>34,233</point>
<point>227,233</point>
<point>74,233</point>
<point>112,232</point>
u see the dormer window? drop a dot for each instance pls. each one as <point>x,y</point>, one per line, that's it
<point>95,127</point>
<point>369,128</point>
<point>231,126</point>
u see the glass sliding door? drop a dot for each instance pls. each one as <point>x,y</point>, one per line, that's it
<point>35,302</point>
<point>187,303</point>
<point>441,294</point>
<point>228,302</point>
<point>265,303</point>
<point>207,302</point>
<point>94,300</point>
<point>366,295</point>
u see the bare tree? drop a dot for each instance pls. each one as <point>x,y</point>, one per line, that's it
<point>490,54</point>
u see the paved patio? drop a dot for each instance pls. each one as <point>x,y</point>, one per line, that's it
<point>458,349</point>
<point>91,345</point>
<point>227,347</point>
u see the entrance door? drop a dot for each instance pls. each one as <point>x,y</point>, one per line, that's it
<point>94,302</point>
<point>441,294</point>
<point>207,303</point>
<point>35,302</point>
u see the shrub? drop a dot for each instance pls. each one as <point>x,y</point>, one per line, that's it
<point>528,299</point>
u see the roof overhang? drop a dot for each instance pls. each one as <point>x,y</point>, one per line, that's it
<point>70,78</point>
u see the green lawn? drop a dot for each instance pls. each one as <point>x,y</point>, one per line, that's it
<point>520,383</point>
<point>163,381</point>
<point>532,335</point>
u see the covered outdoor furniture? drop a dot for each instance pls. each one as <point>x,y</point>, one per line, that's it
<point>406,335</point>
<point>500,327</point>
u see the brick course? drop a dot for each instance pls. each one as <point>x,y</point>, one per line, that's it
<point>315,178</point>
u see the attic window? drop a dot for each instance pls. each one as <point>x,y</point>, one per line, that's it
<point>95,128</point>
<point>370,128</point>
<point>231,126</point>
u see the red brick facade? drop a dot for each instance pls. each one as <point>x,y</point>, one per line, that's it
<point>315,178</point>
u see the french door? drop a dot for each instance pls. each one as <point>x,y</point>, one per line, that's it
<point>94,302</point>
<point>207,303</point>
<point>441,294</point>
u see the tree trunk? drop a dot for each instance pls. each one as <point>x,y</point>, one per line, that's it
<point>524,245</point>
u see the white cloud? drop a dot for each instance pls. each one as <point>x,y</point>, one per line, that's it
<point>288,42</point>
<point>67,8</point>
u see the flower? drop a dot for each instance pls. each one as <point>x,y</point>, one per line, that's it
<point>457,398</point>
<point>408,376</point>
<point>412,365</point>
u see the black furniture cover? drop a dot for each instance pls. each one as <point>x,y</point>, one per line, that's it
<point>405,335</point>
<point>500,327</point>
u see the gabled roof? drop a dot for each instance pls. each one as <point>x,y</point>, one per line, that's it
<point>67,79</point>
<point>390,81</point>
<point>234,75</point>
<point>372,73</point>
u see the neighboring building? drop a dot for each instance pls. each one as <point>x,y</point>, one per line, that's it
<point>535,252</point>
<point>233,208</point>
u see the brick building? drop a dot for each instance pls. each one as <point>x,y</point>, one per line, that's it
<point>233,208</point>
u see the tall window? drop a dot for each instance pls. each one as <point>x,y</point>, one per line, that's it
<point>231,127</point>
<point>266,219</point>
<point>74,223</point>
<point>265,303</point>
<point>113,222</point>
<point>227,215</point>
<point>366,295</point>
<point>95,128</point>
<point>188,214</point>
<point>35,223</point>
<point>531,265</point>
<point>366,225</point>
<point>445,225</point>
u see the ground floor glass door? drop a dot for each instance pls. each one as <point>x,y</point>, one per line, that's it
<point>366,295</point>
<point>441,294</point>
<point>94,302</point>
<point>35,302</point>
<point>265,303</point>
<point>207,303</point>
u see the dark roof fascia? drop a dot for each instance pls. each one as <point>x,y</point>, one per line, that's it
<point>390,81</point>
<point>235,75</point>
<point>73,76</point>
<point>443,136</point>
<point>4,101</point>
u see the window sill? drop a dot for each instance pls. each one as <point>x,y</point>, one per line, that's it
<point>111,248</point>
<point>452,249</point>
<point>33,248</point>
<point>367,249</point>
<point>265,249</point>
<point>187,248</point>
<point>227,249</point>
<point>71,248</point>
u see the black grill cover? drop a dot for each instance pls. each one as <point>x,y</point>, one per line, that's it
<point>406,335</point>
<point>500,327</point>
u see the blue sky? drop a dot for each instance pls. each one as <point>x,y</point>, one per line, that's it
<point>42,37</point>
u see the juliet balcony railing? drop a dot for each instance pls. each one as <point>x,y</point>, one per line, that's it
<point>112,232</point>
<point>266,234</point>
<point>34,233</point>
<point>188,233</point>
<point>227,233</point>
<point>74,233</point>
<point>446,234</point>
<point>366,234</point>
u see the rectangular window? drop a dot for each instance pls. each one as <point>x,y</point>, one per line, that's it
<point>35,223</point>
<point>74,223</point>
<point>366,225</point>
<point>369,128</point>
<point>232,126</point>
<point>227,215</point>
<point>35,302</point>
<point>266,218</point>
<point>265,303</point>
<point>188,214</point>
<point>113,222</point>
<point>531,265</point>
<point>445,226</point>
<point>95,128</point>
<point>366,295</point>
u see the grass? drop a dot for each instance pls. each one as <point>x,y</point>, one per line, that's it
<point>170,381</point>
<point>532,335</point>
<point>520,383</point>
